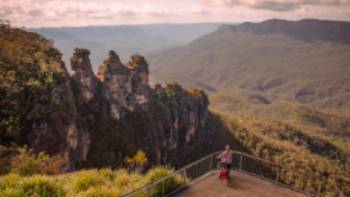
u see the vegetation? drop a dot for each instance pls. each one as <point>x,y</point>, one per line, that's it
<point>87,183</point>
<point>15,186</point>
<point>27,163</point>
<point>137,162</point>
<point>23,161</point>
<point>30,69</point>
<point>303,166</point>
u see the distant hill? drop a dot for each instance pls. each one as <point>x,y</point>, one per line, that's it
<point>305,61</point>
<point>125,39</point>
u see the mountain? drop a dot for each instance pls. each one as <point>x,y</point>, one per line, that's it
<point>305,61</point>
<point>125,39</point>
<point>281,87</point>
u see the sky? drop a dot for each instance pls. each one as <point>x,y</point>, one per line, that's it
<point>48,13</point>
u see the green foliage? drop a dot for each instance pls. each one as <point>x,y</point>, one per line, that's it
<point>85,180</point>
<point>140,158</point>
<point>87,183</point>
<point>168,185</point>
<point>5,159</point>
<point>27,163</point>
<point>30,68</point>
<point>102,191</point>
<point>137,162</point>
<point>17,186</point>
<point>42,186</point>
<point>302,166</point>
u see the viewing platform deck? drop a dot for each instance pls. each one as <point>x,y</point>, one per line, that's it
<point>243,185</point>
<point>251,177</point>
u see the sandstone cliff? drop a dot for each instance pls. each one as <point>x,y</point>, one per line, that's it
<point>166,121</point>
<point>88,120</point>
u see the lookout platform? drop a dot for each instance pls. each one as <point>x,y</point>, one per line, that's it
<point>243,185</point>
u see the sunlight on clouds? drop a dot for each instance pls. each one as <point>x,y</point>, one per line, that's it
<point>36,13</point>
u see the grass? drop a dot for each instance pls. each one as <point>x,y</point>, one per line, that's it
<point>88,183</point>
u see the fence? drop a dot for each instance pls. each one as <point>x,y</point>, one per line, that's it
<point>242,162</point>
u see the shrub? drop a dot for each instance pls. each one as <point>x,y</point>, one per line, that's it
<point>85,180</point>
<point>102,191</point>
<point>122,178</point>
<point>10,186</point>
<point>140,158</point>
<point>9,181</point>
<point>11,192</point>
<point>16,186</point>
<point>166,186</point>
<point>41,186</point>
<point>27,163</point>
<point>137,162</point>
<point>5,159</point>
<point>107,173</point>
<point>127,181</point>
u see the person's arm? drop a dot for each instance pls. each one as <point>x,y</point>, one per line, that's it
<point>220,155</point>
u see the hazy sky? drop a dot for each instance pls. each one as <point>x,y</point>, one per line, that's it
<point>37,13</point>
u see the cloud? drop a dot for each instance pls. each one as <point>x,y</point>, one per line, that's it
<point>275,5</point>
<point>35,13</point>
<point>5,12</point>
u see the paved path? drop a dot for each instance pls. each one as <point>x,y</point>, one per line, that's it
<point>243,185</point>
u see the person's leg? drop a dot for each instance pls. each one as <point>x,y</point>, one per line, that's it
<point>228,167</point>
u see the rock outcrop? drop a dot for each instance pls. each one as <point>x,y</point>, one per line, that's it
<point>84,79</point>
<point>84,120</point>
<point>37,101</point>
<point>165,121</point>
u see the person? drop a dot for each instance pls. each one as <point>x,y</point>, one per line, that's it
<point>226,161</point>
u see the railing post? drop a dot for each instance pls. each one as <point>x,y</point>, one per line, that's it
<point>277,176</point>
<point>152,191</point>
<point>319,190</point>
<point>240,161</point>
<point>211,162</point>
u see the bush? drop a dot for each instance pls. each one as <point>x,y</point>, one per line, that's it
<point>16,186</point>
<point>89,183</point>
<point>42,186</point>
<point>9,181</point>
<point>137,162</point>
<point>27,163</point>
<point>107,173</point>
<point>168,185</point>
<point>128,181</point>
<point>5,159</point>
<point>84,180</point>
<point>10,186</point>
<point>102,191</point>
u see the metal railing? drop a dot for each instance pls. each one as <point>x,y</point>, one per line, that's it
<point>248,164</point>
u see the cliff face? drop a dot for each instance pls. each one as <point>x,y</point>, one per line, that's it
<point>167,122</point>
<point>88,120</point>
<point>37,104</point>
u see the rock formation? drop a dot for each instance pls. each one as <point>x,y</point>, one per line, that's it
<point>84,120</point>
<point>161,120</point>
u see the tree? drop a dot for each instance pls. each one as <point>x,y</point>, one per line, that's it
<point>137,162</point>
<point>27,163</point>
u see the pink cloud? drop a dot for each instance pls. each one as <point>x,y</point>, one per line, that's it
<point>36,13</point>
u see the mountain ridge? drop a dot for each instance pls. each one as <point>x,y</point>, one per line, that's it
<point>274,64</point>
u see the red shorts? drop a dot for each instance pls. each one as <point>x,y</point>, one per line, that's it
<point>224,173</point>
